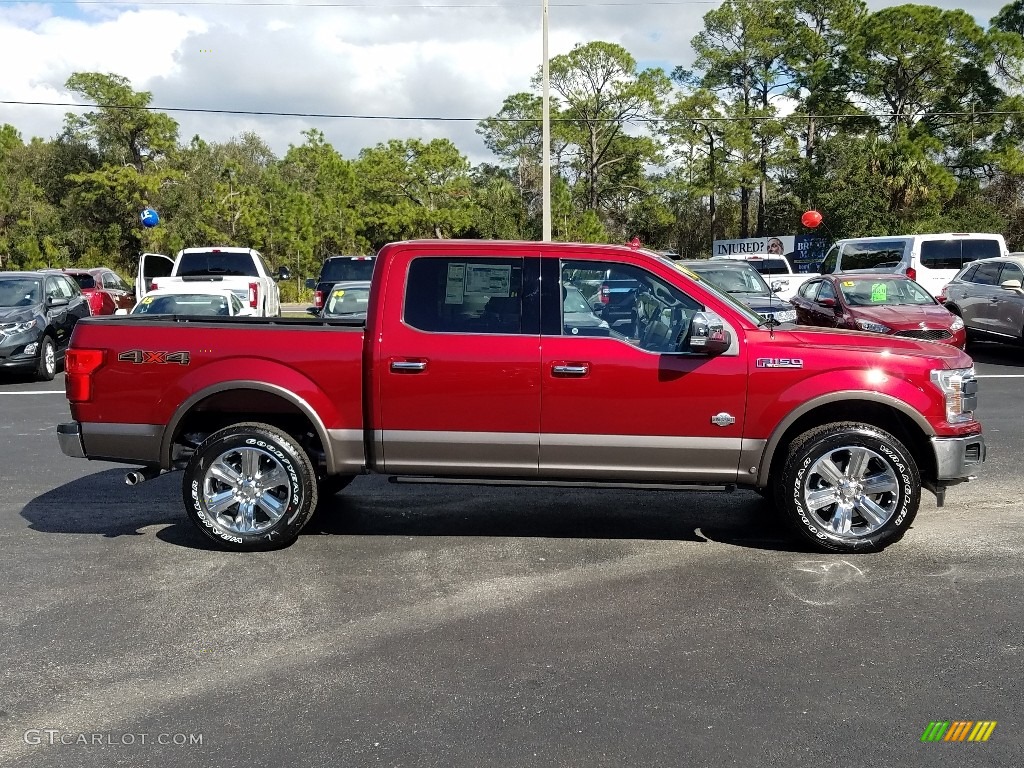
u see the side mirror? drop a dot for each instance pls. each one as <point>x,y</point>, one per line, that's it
<point>56,302</point>
<point>283,273</point>
<point>707,335</point>
<point>827,303</point>
<point>120,311</point>
<point>1010,285</point>
<point>313,311</point>
<point>776,286</point>
<point>311,282</point>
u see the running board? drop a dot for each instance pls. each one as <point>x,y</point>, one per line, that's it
<point>706,488</point>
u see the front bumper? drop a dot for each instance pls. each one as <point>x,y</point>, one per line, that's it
<point>957,458</point>
<point>70,438</point>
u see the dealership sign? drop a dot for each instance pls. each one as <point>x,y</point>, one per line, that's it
<point>755,246</point>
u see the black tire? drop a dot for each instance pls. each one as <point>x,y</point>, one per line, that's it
<point>277,511</point>
<point>46,368</point>
<point>332,484</point>
<point>857,521</point>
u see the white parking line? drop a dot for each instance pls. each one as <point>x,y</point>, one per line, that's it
<point>42,392</point>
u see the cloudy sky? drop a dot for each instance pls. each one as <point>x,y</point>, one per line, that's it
<point>397,58</point>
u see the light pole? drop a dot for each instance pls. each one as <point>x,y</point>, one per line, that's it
<point>545,130</point>
<point>711,175</point>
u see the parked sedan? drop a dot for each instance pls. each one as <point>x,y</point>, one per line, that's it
<point>347,300</point>
<point>880,303</point>
<point>578,317</point>
<point>742,281</point>
<point>218,302</point>
<point>38,311</point>
<point>105,291</point>
<point>989,296</point>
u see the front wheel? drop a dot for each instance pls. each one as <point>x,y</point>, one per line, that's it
<point>250,486</point>
<point>46,368</point>
<point>849,487</point>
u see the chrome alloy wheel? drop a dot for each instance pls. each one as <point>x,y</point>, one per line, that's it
<point>246,490</point>
<point>50,359</point>
<point>851,491</point>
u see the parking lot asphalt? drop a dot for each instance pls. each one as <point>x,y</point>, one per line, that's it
<point>451,626</point>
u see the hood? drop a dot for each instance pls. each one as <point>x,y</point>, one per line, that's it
<point>906,316</point>
<point>763,304</point>
<point>873,343</point>
<point>16,314</point>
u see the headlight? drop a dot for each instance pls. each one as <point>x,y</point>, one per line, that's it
<point>785,316</point>
<point>961,391</point>
<point>867,325</point>
<point>957,324</point>
<point>13,328</point>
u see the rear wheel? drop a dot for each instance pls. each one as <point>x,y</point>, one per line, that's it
<point>250,487</point>
<point>849,487</point>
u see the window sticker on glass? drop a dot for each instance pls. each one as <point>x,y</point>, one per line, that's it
<point>848,283</point>
<point>879,292</point>
<point>488,280</point>
<point>455,287</point>
<point>339,293</point>
<point>147,300</point>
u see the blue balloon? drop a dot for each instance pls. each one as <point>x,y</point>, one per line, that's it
<point>149,218</point>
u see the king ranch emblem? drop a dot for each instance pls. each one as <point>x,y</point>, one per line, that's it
<point>144,356</point>
<point>780,362</point>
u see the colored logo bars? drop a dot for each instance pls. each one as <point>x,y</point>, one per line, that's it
<point>958,730</point>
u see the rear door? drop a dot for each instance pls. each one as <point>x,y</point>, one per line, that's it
<point>458,365</point>
<point>151,266</point>
<point>627,408</point>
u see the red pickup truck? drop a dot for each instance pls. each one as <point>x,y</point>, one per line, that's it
<point>474,366</point>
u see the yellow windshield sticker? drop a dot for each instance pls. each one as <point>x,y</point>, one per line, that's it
<point>848,283</point>
<point>879,292</point>
<point>339,293</point>
<point>147,299</point>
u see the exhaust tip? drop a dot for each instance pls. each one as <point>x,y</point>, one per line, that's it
<point>136,476</point>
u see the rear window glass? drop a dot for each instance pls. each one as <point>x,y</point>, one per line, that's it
<point>84,281</point>
<point>953,254</point>
<point>770,266</point>
<point>343,270</point>
<point>987,274</point>
<point>884,254</point>
<point>183,304</point>
<point>217,263</point>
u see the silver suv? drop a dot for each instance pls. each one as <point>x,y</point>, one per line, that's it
<point>988,295</point>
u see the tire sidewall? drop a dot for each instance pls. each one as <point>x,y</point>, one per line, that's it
<point>895,455</point>
<point>42,372</point>
<point>296,465</point>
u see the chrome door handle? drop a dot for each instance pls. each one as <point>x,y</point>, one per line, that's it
<point>573,369</point>
<point>408,366</point>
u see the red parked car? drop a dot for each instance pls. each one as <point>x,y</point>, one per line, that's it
<point>882,303</point>
<point>104,289</point>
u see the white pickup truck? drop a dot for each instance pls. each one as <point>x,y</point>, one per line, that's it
<point>777,271</point>
<point>239,270</point>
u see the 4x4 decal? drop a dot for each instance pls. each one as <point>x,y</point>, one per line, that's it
<point>143,356</point>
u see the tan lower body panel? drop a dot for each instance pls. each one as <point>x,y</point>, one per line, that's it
<point>636,458</point>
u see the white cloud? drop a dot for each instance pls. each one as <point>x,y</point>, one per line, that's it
<point>369,60</point>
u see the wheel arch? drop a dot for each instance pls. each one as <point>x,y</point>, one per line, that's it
<point>873,408</point>
<point>233,402</point>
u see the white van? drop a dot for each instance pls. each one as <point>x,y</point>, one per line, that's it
<point>931,260</point>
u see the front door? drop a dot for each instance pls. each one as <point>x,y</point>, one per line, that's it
<point>458,367</point>
<point>618,406</point>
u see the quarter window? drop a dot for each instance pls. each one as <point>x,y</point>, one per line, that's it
<point>953,254</point>
<point>465,295</point>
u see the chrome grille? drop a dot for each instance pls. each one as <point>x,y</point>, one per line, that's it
<point>927,334</point>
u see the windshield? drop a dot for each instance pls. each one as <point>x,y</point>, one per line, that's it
<point>183,304</point>
<point>217,263</point>
<point>733,280</point>
<point>574,301</point>
<point>18,292</point>
<point>83,280</point>
<point>340,270</point>
<point>882,292</point>
<point>348,301</point>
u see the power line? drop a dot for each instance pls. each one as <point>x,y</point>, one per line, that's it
<point>439,119</point>
<point>378,6</point>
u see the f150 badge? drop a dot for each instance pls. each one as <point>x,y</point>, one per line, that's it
<point>143,356</point>
<point>780,362</point>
